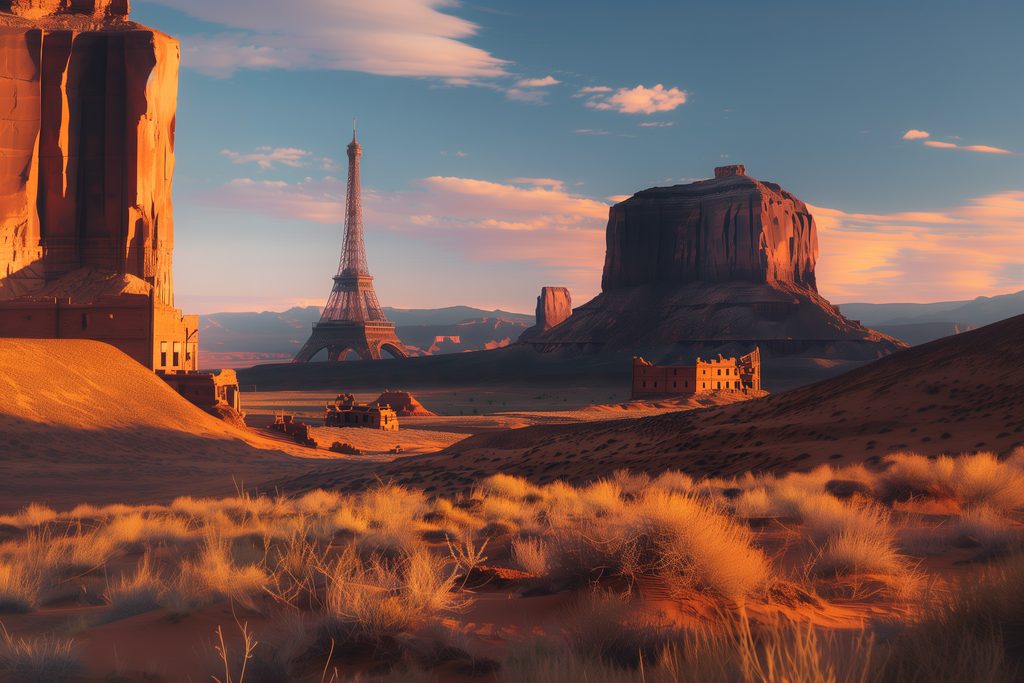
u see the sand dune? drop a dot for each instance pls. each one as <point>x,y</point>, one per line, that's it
<point>953,395</point>
<point>82,422</point>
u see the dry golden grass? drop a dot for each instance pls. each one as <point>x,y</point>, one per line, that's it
<point>369,572</point>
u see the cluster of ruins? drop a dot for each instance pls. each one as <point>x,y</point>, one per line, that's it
<point>703,377</point>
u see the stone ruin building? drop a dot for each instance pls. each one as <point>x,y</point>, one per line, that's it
<point>703,377</point>
<point>87,124</point>
<point>347,412</point>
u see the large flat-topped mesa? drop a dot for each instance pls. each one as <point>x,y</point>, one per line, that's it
<point>730,228</point>
<point>722,264</point>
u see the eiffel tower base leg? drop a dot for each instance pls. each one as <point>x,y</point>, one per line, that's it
<point>367,340</point>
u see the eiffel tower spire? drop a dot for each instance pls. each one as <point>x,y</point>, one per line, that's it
<point>353,319</point>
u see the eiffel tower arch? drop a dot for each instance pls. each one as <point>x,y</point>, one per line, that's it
<point>353,319</point>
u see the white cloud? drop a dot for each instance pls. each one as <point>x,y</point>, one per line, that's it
<point>914,134</point>
<point>657,124</point>
<point>590,131</point>
<point>537,82</point>
<point>267,157</point>
<point>552,183</point>
<point>592,90</point>
<point>393,38</point>
<point>638,100</point>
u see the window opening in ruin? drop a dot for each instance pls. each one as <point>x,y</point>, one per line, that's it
<point>163,354</point>
<point>176,354</point>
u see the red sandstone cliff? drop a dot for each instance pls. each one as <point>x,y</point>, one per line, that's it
<point>726,262</point>
<point>71,201</point>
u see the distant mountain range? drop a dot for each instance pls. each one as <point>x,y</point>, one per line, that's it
<point>237,340</point>
<point>920,323</point>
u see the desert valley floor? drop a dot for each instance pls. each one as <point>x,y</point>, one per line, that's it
<point>525,533</point>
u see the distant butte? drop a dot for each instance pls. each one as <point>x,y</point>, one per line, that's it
<point>554,306</point>
<point>719,263</point>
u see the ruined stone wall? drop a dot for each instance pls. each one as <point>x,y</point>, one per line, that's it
<point>87,117</point>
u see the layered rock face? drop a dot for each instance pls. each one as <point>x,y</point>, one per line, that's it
<point>730,229</point>
<point>87,116</point>
<point>554,306</point>
<point>35,9</point>
<point>720,264</point>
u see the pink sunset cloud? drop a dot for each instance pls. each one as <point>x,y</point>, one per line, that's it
<point>962,252</point>
<point>396,38</point>
<point>638,100</point>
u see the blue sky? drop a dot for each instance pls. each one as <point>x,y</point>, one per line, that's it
<point>496,134</point>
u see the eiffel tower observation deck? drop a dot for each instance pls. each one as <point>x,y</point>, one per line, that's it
<point>353,319</point>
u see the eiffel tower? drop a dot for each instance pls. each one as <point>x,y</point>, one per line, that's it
<point>353,319</point>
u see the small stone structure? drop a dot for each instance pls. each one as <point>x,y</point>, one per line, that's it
<point>346,412</point>
<point>206,389</point>
<point>704,377</point>
<point>299,431</point>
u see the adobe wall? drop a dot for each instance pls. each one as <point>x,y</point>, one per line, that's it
<point>131,323</point>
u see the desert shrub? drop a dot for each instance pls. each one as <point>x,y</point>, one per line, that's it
<point>19,587</point>
<point>134,594</point>
<point>45,659</point>
<point>214,575</point>
<point>755,502</point>
<point>824,516</point>
<point>139,528</point>
<point>698,543</point>
<point>660,533</point>
<point>859,552</point>
<point>31,516</point>
<point>971,633</point>
<point>531,555</point>
<point>603,497</point>
<point>982,479</point>
<point>507,486</point>
<point>673,481</point>
<point>428,584</point>
<point>732,652</point>
<point>984,526</point>
<point>974,479</point>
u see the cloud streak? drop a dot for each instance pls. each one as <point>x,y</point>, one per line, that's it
<point>530,220</point>
<point>923,135</point>
<point>638,100</point>
<point>267,157</point>
<point>395,38</point>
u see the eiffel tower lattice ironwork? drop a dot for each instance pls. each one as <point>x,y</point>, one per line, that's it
<point>353,319</point>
